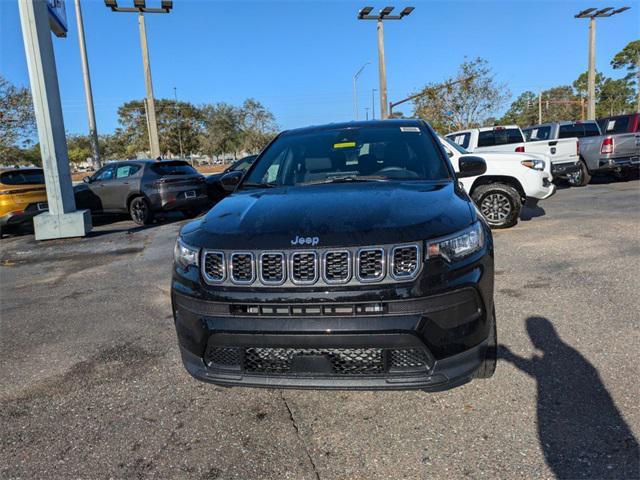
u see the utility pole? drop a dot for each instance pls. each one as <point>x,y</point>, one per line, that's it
<point>355,91</point>
<point>373,103</point>
<point>139,7</point>
<point>93,132</point>
<point>539,108</point>
<point>592,14</point>
<point>384,14</point>
<point>175,94</point>
<point>366,113</point>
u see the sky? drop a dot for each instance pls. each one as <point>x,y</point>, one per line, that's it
<point>299,57</point>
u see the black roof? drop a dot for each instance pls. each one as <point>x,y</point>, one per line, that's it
<point>401,122</point>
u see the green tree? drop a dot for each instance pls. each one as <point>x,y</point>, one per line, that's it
<point>616,97</point>
<point>523,111</point>
<point>257,126</point>
<point>222,133</point>
<point>580,84</point>
<point>181,121</point>
<point>78,148</point>
<point>629,59</point>
<point>463,101</point>
<point>17,120</point>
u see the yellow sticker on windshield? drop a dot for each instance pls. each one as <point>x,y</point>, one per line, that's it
<point>344,145</point>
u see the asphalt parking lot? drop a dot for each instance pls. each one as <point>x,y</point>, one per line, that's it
<point>93,387</point>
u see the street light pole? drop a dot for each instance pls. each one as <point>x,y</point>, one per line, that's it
<point>592,14</point>
<point>139,7</point>
<point>355,91</point>
<point>384,14</point>
<point>93,131</point>
<point>151,104</point>
<point>373,103</point>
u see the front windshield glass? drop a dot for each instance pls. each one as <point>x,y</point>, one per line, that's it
<point>349,154</point>
<point>454,145</point>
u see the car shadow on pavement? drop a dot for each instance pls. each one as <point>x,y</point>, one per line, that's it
<point>581,432</point>
<point>531,209</point>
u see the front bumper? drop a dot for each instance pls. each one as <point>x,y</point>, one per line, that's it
<point>430,334</point>
<point>20,217</point>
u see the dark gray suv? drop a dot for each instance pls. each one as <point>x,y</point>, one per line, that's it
<point>143,188</point>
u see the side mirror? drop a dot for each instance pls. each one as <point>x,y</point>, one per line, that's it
<point>86,179</point>
<point>230,181</point>
<point>470,166</point>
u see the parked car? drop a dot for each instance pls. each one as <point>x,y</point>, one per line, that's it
<point>215,190</point>
<point>510,179</point>
<point>143,188</point>
<point>22,196</point>
<point>562,153</point>
<point>348,256</point>
<point>617,150</point>
<point>582,130</point>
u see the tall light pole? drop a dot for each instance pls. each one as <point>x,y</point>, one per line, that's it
<point>93,131</point>
<point>355,91</point>
<point>384,14</point>
<point>592,14</point>
<point>139,7</point>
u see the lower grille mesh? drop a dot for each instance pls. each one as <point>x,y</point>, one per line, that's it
<point>343,361</point>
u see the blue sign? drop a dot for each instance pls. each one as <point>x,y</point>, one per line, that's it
<point>57,17</point>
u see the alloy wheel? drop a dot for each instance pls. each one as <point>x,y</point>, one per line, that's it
<point>496,207</point>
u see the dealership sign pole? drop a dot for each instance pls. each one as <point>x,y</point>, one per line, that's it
<point>38,19</point>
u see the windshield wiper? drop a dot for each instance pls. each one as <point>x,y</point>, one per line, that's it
<point>346,179</point>
<point>258,185</point>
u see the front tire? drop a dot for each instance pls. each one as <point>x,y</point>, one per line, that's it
<point>499,203</point>
<point>488,365</point>
<point>580,178</point>
<point>140,211</point>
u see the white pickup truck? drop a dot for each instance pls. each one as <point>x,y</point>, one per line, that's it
<point>510,179</point>
<point>563,153</point>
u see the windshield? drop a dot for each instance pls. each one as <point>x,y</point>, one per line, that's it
<point>455,146</point>
<point>349,154</point>
<point>22,177</point>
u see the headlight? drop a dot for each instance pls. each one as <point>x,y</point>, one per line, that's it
<point>184,255</point>
<point>457,246</point>
<point>535,164</point>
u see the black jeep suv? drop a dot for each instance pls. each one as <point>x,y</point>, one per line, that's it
<point>348,257</point>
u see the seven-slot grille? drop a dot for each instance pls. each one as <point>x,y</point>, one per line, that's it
<point>304,267</point>
<point>346,266</point>
<point>272,268</point>
<point>404,261</point>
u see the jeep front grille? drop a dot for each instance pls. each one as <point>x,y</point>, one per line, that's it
<point>404,261</point>
<point>337,266</point>
<point>213,266</point>
<point>371,264</point>
<point>242,268</point>
<point>319,267</point>
<point>304,267</point>
<point>272,268</point>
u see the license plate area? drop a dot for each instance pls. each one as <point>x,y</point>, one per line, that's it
<point>41,206</point>
<point>190,194</point>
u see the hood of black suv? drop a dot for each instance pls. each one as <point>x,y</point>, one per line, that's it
<point>333,215</point>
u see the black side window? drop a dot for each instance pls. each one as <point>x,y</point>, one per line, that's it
<point>486,139</point>
<point>615,125</point>
<point>571,130</point>
<point>22,177</point>
<point>591,130</point>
